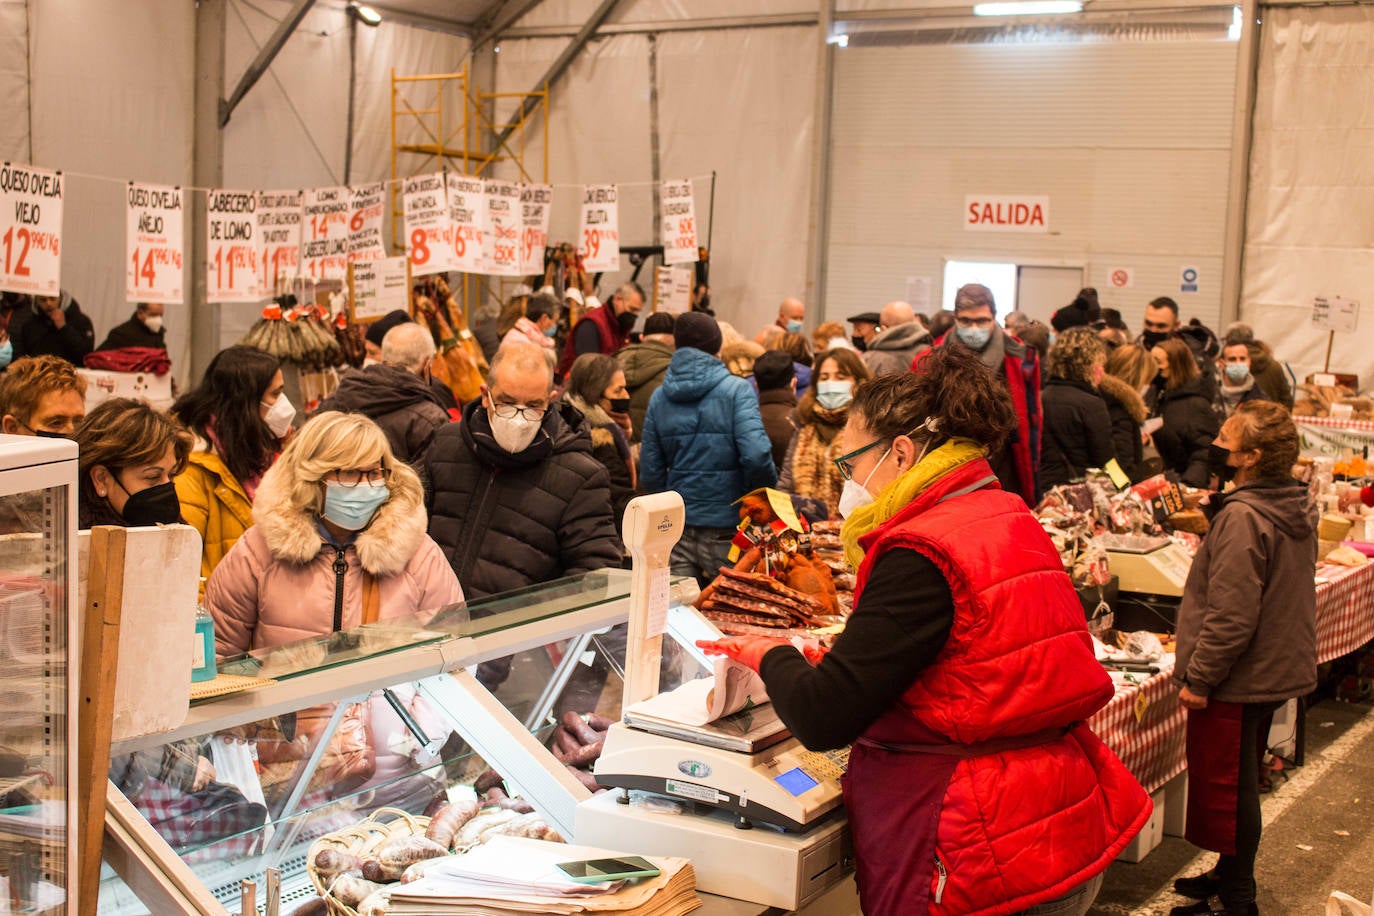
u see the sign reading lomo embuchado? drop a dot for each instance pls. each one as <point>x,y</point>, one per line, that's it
<point>325,213</point>
<point>279,233</point>
<point>600,228</point>
<point>467,210</point>
<point>365,223</point>
<point>536,200</point>
<point>233,247</point>
<point>31,230</point>
<point>429,232</point>
<point>154,243</point>
<point>501,238</point>
<point>1006,213</point>
<point>679,222</point>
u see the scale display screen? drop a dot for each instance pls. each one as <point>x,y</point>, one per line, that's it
<point>796,781</point>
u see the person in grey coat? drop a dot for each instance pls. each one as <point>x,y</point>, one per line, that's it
<point>1247,642</point>
<point>897,344</point>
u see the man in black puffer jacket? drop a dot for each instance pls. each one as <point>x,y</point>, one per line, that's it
<point>518,499</point>
<point>395,393</point>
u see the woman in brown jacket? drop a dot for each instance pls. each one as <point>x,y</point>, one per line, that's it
<point>1247,642</point>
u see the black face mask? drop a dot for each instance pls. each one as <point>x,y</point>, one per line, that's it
<point>627,321</point>
<point>619,405</point>
<point>49,434</point>
<point>859,343</point>
<point>156,505</point>
<point>1216,463</point>
<point>1152,339</point>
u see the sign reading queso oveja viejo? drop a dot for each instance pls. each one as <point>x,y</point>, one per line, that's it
<point>1006,213</point>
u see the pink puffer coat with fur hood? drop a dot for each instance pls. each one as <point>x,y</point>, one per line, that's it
<point>277,584</point>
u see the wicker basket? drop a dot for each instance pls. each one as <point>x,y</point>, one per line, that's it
<point>358,840</point>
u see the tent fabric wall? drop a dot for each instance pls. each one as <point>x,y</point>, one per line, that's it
<point>14,80</point>
<point>1129,140</point>
<point>1310,210</point>
<point>118,109</point>
<point>759,145</point>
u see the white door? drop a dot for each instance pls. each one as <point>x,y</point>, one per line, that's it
<point>1042,291</point>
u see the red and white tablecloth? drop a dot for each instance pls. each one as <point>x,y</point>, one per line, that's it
<point>1147,734</point>
<point>1345,610</point>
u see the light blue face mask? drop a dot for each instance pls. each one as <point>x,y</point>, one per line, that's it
<point>834,395</point>
<point>6,353</point>
<point>794,327</point>
<point>352,508</point>
<point>973,338</point>
<point>1237,373</point>
<point>551,330</point>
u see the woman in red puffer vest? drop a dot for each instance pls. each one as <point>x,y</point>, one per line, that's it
<point>965,674</point>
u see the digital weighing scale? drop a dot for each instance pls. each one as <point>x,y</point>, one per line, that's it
<point>742,772</point>
<point>1152,565</point>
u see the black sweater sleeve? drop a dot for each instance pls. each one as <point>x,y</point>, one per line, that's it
<point>899,627</point>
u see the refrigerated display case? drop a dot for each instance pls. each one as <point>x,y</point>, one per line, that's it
<point>440,721</point>
<point>37,673</point>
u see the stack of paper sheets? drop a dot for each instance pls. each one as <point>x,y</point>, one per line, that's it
<point>513,875</point>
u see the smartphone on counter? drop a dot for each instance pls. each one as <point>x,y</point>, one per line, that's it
<point>594,871</point>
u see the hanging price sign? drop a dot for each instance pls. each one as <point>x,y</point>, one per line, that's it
<point>232,247</point>
<point>600,249</point>
<point>279,234</point>
<point>679,222</point>
<point>365,223</point>
<point>536,200</point>
<point>672,289</point>
<point>429,233</point>
<point>467,211</point>
<point>325,214</point>
<point>31,230</point>
<point>154,240</point>
<point>501,237</point>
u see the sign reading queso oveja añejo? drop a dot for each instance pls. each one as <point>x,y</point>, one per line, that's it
<point>1006,213</point>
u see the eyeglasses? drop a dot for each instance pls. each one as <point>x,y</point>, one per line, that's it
<point>510,411</point>
<point>973,322</point>
<point>845,462</point>
<point>352,477</point>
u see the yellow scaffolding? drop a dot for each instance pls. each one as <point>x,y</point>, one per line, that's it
<point>455,121</point>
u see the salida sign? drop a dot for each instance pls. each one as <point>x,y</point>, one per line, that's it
<point>1006,213</point>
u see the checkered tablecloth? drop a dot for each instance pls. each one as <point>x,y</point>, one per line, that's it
<point>1151,741</point>
<point>1345,610</point>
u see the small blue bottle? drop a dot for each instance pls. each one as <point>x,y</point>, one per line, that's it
<point>203,657</point>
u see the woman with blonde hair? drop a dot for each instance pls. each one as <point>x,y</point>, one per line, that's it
<point>130,454</point>
<point>338,540</point>
<point>809,470</point>
<point>1129,371</point>
<point>1078,430</point>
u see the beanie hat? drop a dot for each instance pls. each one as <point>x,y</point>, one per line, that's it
<point>1073,315</point>
<point>698,331</point>
<point>377,329</point>
<point>659,323</point>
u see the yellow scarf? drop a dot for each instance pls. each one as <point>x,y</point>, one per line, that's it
<point>910,484</point>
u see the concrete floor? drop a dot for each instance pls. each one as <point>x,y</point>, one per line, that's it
<point>1318,830</point>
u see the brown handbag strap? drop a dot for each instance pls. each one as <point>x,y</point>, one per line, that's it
<point>372,598</point>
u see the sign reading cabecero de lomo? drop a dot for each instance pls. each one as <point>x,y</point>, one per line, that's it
<point>1006,213</point>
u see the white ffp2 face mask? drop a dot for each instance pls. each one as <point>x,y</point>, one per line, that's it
<point>855,495</point>
<point>153,323</point>
<point>279,415</point>
<point>513,435</point>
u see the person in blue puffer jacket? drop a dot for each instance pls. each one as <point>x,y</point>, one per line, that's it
<point>704,438</point>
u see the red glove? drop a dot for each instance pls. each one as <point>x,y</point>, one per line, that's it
<point>747,650</point>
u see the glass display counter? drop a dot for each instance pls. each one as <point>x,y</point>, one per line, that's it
<point>397,713</point>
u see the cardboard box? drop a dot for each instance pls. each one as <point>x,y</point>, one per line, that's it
<point>1150,836</point>
<point>102,384</point>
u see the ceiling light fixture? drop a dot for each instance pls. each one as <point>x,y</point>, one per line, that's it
<point>839,41</point>
<point>1028,8</point>
<point>364,14</point>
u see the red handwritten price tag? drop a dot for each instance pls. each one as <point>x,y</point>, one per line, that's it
<point>279,233</point>
<point>154,243</point>
<point>365,223</point>
<point>467,211</point>
<point>600,229</point>
<point>429,232</point>
<point>325,214</point>
<point>501,240</point>
<point>31,229</point>
<point>679,222</point>
<point>232,247</point>
<point>536,200</point>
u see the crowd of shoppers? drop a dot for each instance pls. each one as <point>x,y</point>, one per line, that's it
<point>931,438</point>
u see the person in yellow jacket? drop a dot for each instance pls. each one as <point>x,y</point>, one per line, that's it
<point>240,417</point>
